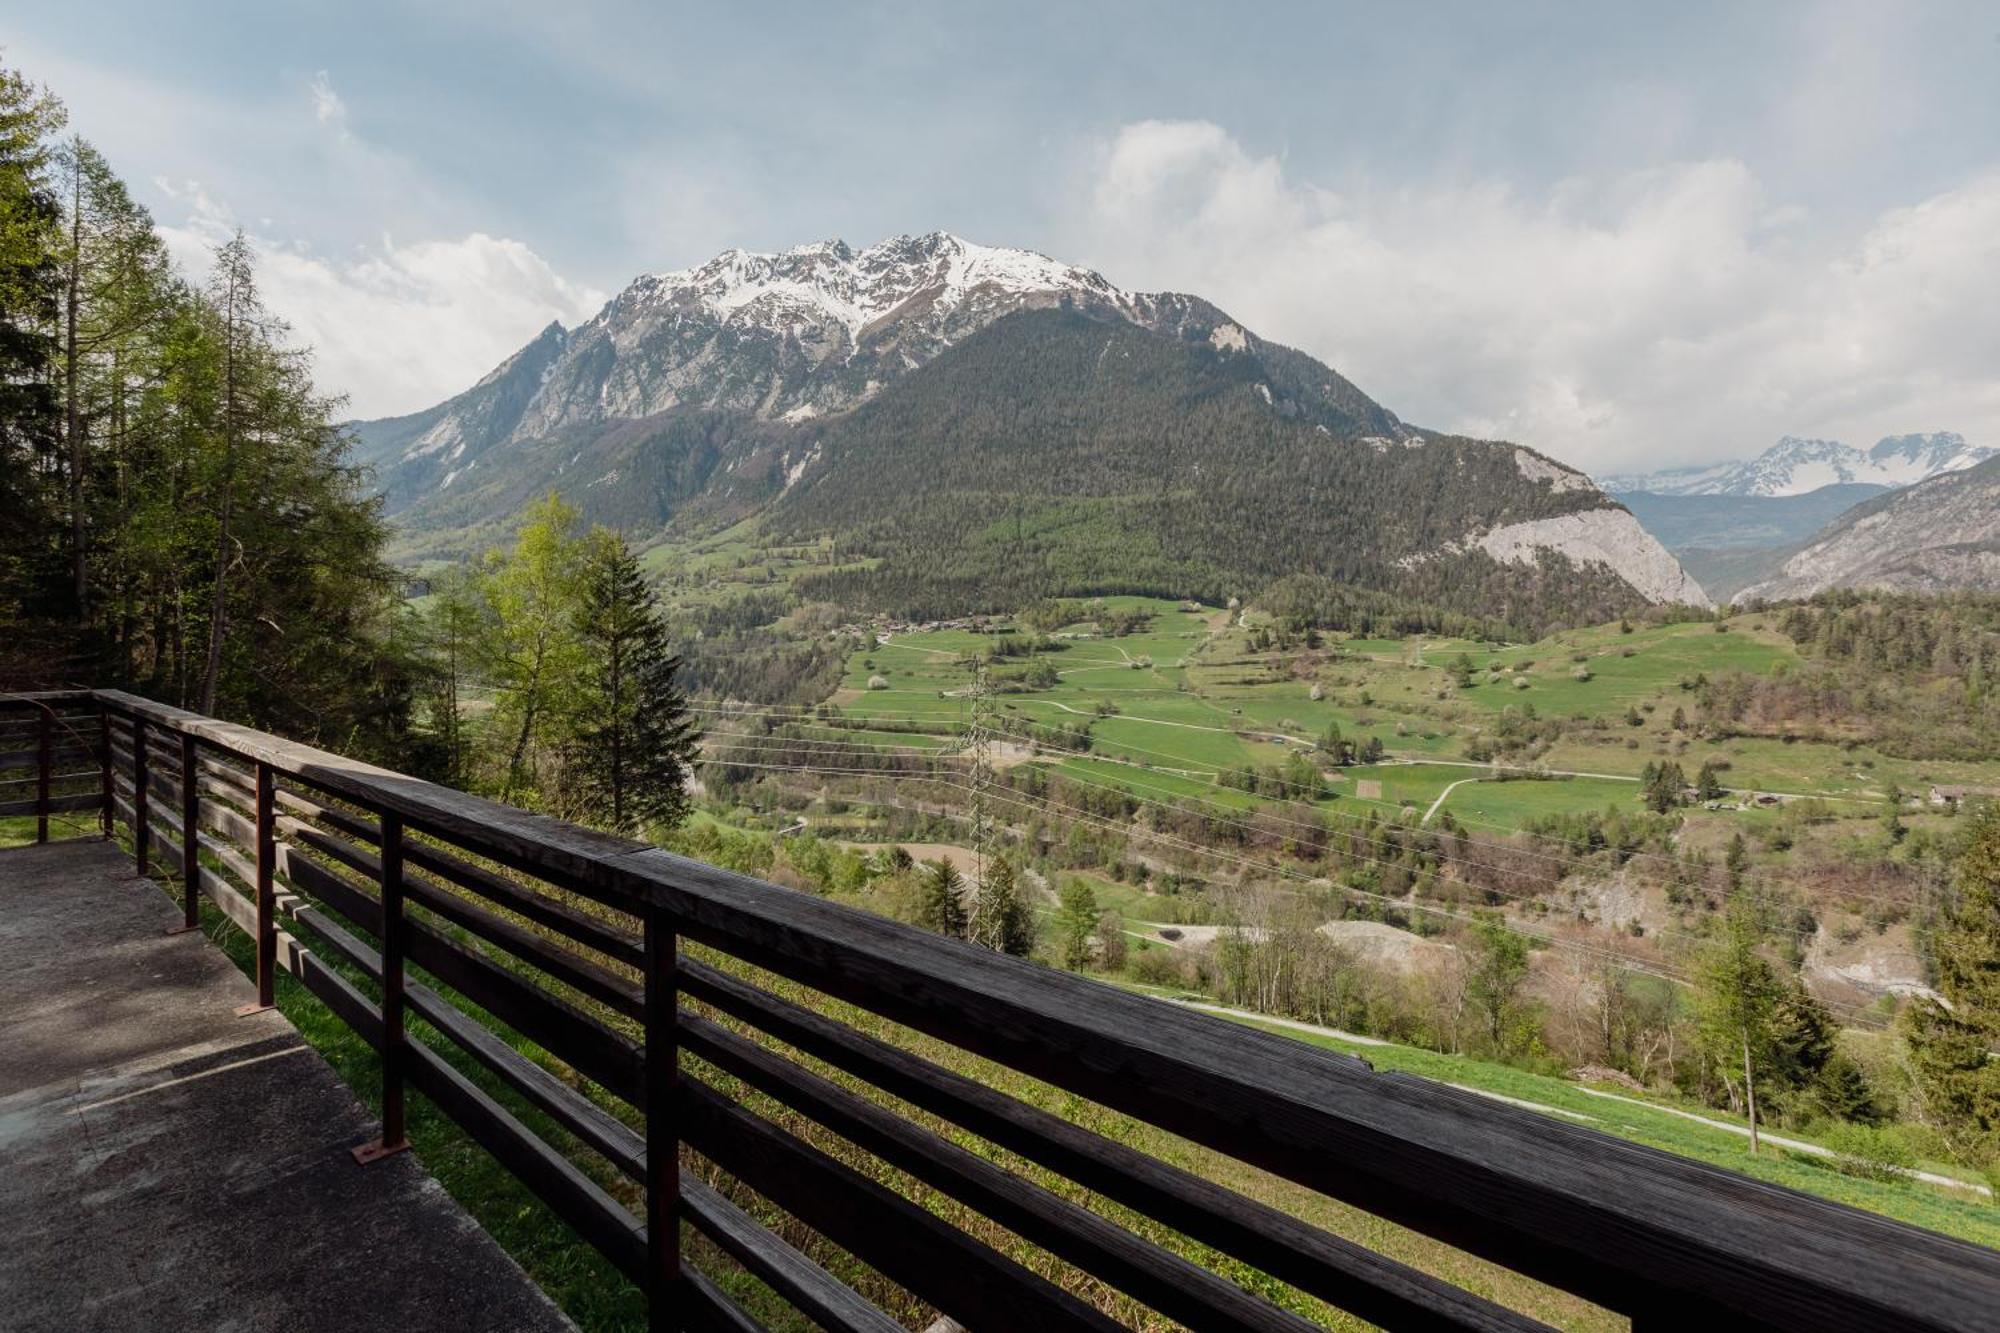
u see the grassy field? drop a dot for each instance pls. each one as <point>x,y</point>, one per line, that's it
<point>1187,697</point>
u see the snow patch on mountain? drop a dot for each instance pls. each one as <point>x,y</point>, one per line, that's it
<point>1795,466</point>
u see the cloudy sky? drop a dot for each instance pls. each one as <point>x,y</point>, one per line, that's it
<point>1627,234</point>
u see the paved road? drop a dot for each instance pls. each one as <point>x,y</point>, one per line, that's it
<point>166,1165</point>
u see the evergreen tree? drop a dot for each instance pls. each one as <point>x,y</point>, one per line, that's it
<point>1076,919</point>
<point>1665,788</point>
<point>1737,992</point>
<point>1708,782</point>
<point>637,740</point>
<point>1000,919</point>
<point>940,899</point>
<point>1951,1041</point>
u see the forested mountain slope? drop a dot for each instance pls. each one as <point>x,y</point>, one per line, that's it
<point>982,425</point>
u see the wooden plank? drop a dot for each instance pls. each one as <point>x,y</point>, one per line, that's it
<point>573,1196</point>
<point>812,1290</point>
<point>591,1123</point>
<point>968,1280</point>
<point>1349,1276</point>
<point>622,945</point>
<point>705,1308</point>
<point>572,1035</point>
<point>1627,1226</point>
<point>56,805</point>
<point>589,978</point>
<point>1178,1289</point>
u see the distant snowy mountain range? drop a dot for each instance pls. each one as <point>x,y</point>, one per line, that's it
<point>1796,466</point>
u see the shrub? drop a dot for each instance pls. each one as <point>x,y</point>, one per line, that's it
<point>1867,1152</point>
<point>878,682</point>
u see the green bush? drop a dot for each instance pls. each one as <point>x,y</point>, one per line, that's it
<point>1867,1152</point>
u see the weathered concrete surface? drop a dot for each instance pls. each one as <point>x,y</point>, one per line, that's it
<point>166,1165</point>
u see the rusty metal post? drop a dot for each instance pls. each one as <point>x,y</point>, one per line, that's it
<point>663,1181</point>
<point>142,826</point>
<point>267,901</point>
<point>104,787</point>
<point>45,761</point>
<point>190,840</point>
<point>394,930</point>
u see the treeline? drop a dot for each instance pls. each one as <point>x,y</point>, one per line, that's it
<point>181,517</point>
<point>1914,676</point>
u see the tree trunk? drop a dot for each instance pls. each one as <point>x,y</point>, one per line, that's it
<point>218,606</point>
<point>73,407</point>
<point>1750,1092</point>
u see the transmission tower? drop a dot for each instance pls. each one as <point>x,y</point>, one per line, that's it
<point>978,737</point>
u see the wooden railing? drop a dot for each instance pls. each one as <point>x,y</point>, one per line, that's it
<point>463,913</point>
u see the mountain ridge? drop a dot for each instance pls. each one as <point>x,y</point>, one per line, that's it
<point>1796,466</point>
<point>735,388</point>
<point>1939,535</point>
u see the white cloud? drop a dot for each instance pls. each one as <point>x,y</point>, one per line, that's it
<point>328,109</point>
<point>396,327</point>
<point>1620,323</point>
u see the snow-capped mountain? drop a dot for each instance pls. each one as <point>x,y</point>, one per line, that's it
<point>790,337</point>
<point>1795,466</point>
<point>889,398</point>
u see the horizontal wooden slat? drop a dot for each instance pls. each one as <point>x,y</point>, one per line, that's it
<point>706,1309</point>
<point>574,1197</point>
<point>623,945</point>
<point>589,978</point>
<point>57,805</point>
<point>812,1290</point>
<point>1170,1284</point>
<point>1350,1276</point>
<point>1621,1224</point>
<point>970,1281</point>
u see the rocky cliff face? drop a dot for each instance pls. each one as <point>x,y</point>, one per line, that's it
<point>1938,535</point>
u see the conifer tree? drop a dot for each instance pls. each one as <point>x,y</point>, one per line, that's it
<point>638,740</point>
<point>940,900</point>
<point>1000,919</point>
<point>1737,993</point>
<point>1951,1041</point>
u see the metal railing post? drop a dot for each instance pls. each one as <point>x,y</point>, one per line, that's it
<point>142,824</point>
<point>267,901</point>
<point>45,763</point>
<point>394,929</point>
<point>190,839</point>
<point>663,1179</point>
<point>105,789</point>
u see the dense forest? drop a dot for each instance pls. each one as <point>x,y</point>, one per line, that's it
<point>181,516</point>
<point>1915,676</point>
<point>1065,455</point>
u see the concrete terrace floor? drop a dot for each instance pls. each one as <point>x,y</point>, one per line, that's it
<point>167,1165</point>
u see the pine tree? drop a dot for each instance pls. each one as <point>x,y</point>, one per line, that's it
<point>637,740</point>
<point>1000,920</point>
<point>1737,992</point>
<point>1076,919</point>
<point>940,899</point>
<point>1951,1041</point>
